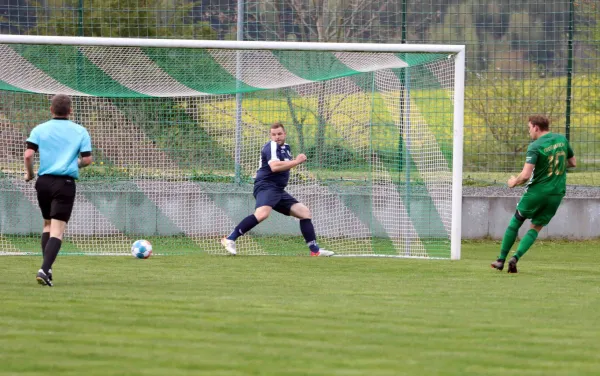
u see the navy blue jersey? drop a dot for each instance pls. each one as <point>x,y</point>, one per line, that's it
<point>273,152</point>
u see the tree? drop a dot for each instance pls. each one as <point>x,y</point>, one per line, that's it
<point>16,16</point>
<point>503,104</point>
<point>490,19</point>
<point>120,18</point>
<point>322,20</point>
<point>317,21</point>
<point>587,22</point>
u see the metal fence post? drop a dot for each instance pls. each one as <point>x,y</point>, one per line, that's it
<point>569,69</point>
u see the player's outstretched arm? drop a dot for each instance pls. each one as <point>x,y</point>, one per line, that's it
<point>280,166</point>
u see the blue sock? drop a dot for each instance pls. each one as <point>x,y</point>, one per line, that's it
<point>243,227</point>
<point>308,231</point>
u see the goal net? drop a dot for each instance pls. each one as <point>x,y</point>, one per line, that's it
<point>177,128</point>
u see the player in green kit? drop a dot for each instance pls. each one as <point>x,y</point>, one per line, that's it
<point>548,157</point>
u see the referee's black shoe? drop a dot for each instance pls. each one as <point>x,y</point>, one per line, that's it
<point>43,279</point>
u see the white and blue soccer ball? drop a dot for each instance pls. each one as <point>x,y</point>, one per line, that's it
<point>141,249</point>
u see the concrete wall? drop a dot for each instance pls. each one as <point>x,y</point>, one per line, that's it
<point>134,212</point>
<point>577,218</point>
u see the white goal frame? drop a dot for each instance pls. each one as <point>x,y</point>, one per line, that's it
<point>459,83</point>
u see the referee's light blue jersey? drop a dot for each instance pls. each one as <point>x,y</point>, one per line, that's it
<point>59,143</point>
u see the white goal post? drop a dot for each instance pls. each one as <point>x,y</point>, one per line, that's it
<point>382,125</point>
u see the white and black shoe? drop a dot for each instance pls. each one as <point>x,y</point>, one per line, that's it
<point>43,279</point>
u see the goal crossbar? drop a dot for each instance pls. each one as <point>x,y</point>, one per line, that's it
<point>232,45</point>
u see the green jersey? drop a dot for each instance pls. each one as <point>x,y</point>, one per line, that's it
<point>549,154</point>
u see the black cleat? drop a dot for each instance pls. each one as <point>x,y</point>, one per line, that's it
<point>512,265</point>
<point>49,274</point>
<point>43,279</point>
<point>498,264</point>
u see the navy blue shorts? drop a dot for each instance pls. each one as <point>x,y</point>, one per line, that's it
<point>277,198</point>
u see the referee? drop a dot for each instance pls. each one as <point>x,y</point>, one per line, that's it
<point>60,142</point>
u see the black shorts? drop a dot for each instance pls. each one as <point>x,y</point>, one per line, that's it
<point>56,196</point>
<point>275,197</point>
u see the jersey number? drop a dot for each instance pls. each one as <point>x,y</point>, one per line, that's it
<point>556,164</point>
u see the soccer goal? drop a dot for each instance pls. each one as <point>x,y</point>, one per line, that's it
<point>177,127</point>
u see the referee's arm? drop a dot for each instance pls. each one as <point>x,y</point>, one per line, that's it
<point>28,160</point>
<point>85,160</point>
<point>85,151</point>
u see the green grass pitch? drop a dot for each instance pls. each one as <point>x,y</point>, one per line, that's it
<point>218,315</point>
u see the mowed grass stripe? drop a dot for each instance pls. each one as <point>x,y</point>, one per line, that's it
<point>306,316</point>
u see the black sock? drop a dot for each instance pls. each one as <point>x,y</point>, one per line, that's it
<point>243,227</point>
<point>308,231</point>
<point>50,253</point>
<point>45,237</point>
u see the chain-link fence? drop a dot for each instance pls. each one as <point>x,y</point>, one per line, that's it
<point>523,56</point>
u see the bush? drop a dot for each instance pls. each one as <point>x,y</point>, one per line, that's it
<point>333,157</point>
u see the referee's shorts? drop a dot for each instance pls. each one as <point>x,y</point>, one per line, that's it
<point>56,196</point>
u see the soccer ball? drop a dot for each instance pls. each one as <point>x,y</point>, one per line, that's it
<point>141,249</point>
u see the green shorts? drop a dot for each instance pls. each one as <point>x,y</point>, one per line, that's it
<point>539,208</point>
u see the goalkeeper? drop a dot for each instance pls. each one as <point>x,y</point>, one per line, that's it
<point>547,159</point>
<point>271,179</point>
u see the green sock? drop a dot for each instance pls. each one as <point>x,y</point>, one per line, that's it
<point>526,243</point>
<point>509,237</point>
